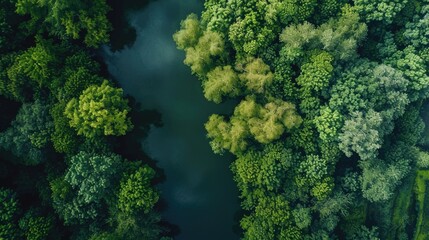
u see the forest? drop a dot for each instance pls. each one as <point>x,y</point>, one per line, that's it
<point>66,171</point>
<point>328,132</point>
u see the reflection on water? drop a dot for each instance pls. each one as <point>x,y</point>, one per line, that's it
<point>200,194</point>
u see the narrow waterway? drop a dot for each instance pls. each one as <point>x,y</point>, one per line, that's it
<point>201,196</point>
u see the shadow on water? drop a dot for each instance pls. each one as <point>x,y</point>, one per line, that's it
<point>130,146</point>
<point>123,34</point>
<point>197,185</point>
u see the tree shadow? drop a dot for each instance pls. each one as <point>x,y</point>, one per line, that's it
<point>130,145</point>
<point>123,35</point>
<point>9,110</point>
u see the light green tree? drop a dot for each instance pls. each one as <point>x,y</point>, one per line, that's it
<point>189,32</point>
<point>99,110</point>
<point>221,82</point>
<point>360,134</point>
<point>256,76</point>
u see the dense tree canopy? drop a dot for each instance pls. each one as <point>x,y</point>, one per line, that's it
<point>61,176</point>
<point>69,18</point>
<point>328,94</point>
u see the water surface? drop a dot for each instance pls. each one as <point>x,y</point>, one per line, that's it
<point>201,196</point>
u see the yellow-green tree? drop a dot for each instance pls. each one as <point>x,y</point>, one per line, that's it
<point>99,110</point>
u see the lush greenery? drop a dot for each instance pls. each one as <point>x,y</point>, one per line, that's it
<point>62,175</point>
<point>328,130</point>
<point>328,134</point>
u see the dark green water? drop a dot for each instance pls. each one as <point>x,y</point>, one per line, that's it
<point>201,196</point>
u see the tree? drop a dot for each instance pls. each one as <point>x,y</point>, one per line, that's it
<point>29,134</point>
<point>316,73</point>
<point>221,82</point>
<point>273,212</point>
<point>361,135</point>
<point>36,67</point>
<point>256,76</point>
<point>339,37</point>
<point>92,175</point>
<point>273,120</point>
<point>79,72</point>
<point>328,124</point>
<point>384,10</point>
<point>313,170</point>
<point>70,207</point>
<point>416,31</point>
<point>70,19</point>
<point>302,217</point>
<point>264,123</point>
<point>262,170</point>
<point>200,57</point>
<point>136,193</point>
<point>87,183</point>
<point>378,180</point>
<point>189,32</point>
<point>35,227</point>
<point>8,88</point>
<point>337,204</point>
<point>227,135</point>
<point>9,210</point>
<point>414,69</point>
<point>365,233</point>
<point>63,137</point>
<point>100,110</point>
<point>368,85</point>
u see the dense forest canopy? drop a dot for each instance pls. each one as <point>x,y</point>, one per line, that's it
<point>62,172</point>
<point>328,132</point>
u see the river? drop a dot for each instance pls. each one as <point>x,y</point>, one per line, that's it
<point>201,197</point>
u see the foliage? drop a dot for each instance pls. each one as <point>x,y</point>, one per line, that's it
<point>221,82</point>
<point>35,227</point>
<point>69,19</point>
<point>421,196</point>
<point>9,210</point>
<point>365,233</point>
<point>73,192</point>
<point>135,193</point>
<point>91,175</point>
<point>328,118</point>
<point>63,137</point>
<point>264,123</point>
<point>99,110</point>
<point>360,134</point>
<point>29,134</point>
<point>87,183</point>
<point>379,10</point>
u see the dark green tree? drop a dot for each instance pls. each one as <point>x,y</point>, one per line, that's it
<point>29,135</point>
<point>69,19</point>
